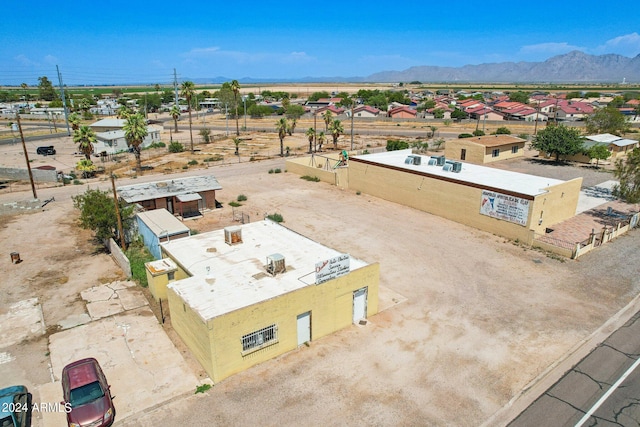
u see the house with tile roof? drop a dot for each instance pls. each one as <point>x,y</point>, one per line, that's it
<point>402,113</point>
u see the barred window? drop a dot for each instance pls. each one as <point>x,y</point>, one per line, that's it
<point>495,152</point>
<point>261,338</point>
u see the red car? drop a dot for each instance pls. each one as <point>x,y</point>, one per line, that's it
<point>86,392</point>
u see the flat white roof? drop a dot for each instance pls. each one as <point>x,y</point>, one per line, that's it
<point>168,188</point>
<point>493,178</point>
<point>229,277</point>
<point>162,222</point>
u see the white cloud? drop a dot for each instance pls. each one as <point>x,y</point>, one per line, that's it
<point>549,48</point>
<point>24,60</point>
<point>51,60</point>
<point>628,45</point>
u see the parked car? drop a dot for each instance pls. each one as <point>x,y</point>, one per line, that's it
<point>86,391</point>
<point>48,150</point>
<point>15,407</point>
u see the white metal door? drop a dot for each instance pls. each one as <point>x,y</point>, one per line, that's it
<point>359,305</point>
<point>304,328</point>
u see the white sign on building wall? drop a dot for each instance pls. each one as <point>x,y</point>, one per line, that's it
<point>504,207</point>
<point>332,268</point>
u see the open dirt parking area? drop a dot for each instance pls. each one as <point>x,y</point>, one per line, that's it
<point>468,320</point>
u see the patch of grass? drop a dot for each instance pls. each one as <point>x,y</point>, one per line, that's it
<point>234,204</point>
<point>202,388</point>
<point>241,198</point>
<point>310,178</point>
<point>277,170</point>
<point>192,162</point>
<point>77,182</point>
<point>215,158</point>
<point>185,167</point>
<point>138,255</point>
<point>276,217</point>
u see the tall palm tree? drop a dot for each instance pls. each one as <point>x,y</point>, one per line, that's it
<point>135,131</point>
<point>235,87</point>
<point>175,113</point>
<point>123,112</point>
<point>85,137</point>
<point>311,133</point>
<point>327,117</point>
<point>74,120</point>
<point>321,139</point>
<point>188,91</point>
<point>281,127</point>
<point>336,129</point>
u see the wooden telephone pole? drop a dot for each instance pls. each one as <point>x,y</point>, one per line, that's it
<point>26,157</point>
<point>123,243</point>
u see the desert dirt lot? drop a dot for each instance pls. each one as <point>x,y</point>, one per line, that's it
<point>467,319</point>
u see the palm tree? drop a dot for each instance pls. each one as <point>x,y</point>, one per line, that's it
<point>321,139</point>
<point>235,87</point>
<point>175,113</point>
<point>85,137</point>
<point>237,142</point>
<point>336,130</point>
<point>123,112</point>
<point>311,133</point>
<point>188,90</point>
<point>281,127</point>
<point>74,120</point>
<point>327,117</point>
<point>292,126</point>
<point>135,131</point>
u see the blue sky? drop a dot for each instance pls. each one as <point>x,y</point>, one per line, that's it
<point>117,42</point>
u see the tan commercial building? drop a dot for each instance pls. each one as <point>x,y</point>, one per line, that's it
<point>259,290</point>
<point>484,149</point>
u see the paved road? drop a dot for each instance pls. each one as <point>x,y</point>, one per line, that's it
<point>573,400</point>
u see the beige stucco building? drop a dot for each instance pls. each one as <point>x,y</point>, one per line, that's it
<point>508,204</point>
<point>259,290</point>
<point>485,149</point>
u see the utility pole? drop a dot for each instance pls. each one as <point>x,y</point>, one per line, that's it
<point>353,101</point>
<point>26,156</point>
<point>175,85</point>
<point>123,243</point>
<point>64,101</point>
<point>315,130</point>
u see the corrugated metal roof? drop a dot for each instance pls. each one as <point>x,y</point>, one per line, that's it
<point>173,187</point>
<point>162,223</point>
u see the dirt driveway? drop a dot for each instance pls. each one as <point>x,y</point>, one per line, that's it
<point>469,320</point>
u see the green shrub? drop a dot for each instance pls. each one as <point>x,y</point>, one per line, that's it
<point>465,135</point>
<point>215,158</point>
<point>310,178</point>
<point>277,170</point>
<point>138,255</point>
<point>275,217</point>
<point>396,144</point>
<point>503,131</point>
<point>192,162</point>
<point>156,145</point>
<point>478,132</point>
<point>77,182</point>
<point>202,388</point>
<point>234,204</point>
<point>270,170</point>
<point>241,198</point>
<point>185,167</point>
<point>176,147</point>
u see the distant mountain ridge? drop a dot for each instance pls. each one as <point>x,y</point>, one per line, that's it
<point>572,67</point>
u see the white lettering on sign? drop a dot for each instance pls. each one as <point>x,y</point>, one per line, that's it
<point>332,268</point>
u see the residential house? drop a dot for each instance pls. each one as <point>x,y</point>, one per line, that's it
<point>110,136</point>
<point>485,149</point>
<point>185,197</point>
<point>363,111</point>
<point>403,112</point>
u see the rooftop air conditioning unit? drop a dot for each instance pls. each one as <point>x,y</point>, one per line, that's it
<point>447,167</point>
<point>275,264</point>
<point>232,235</point>
<point>457,167</point>
<point>440,160</point>
<point>432,162</point>
<point>413,160</point>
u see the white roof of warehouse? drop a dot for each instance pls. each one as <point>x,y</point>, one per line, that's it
<point>229,277</point>
<point>474,174</point>
<point>162,222</point>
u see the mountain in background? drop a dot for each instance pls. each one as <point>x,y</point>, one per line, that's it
<point>573,67</point>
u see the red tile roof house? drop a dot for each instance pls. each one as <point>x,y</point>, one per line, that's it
<point>334,110</point>
<point>484,113</point>
<point>573,111</point>
<point>364,111</point>
<point>402,113</point>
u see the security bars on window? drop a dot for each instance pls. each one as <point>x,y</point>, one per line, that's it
<point>260,338</point>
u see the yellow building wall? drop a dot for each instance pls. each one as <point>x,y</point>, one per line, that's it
<point>453,149</point>
<point>558,204</point>
<point>321,167</point>
<point>158,283</point>
<point>190,327</point>
<point>330,304</point>
<point>505,153</point>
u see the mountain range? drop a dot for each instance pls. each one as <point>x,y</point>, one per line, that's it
<point>572,67</point>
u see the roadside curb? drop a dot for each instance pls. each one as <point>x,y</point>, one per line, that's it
<point>556,370</point>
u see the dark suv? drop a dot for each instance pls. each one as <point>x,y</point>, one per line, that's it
<point>46,151</point>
